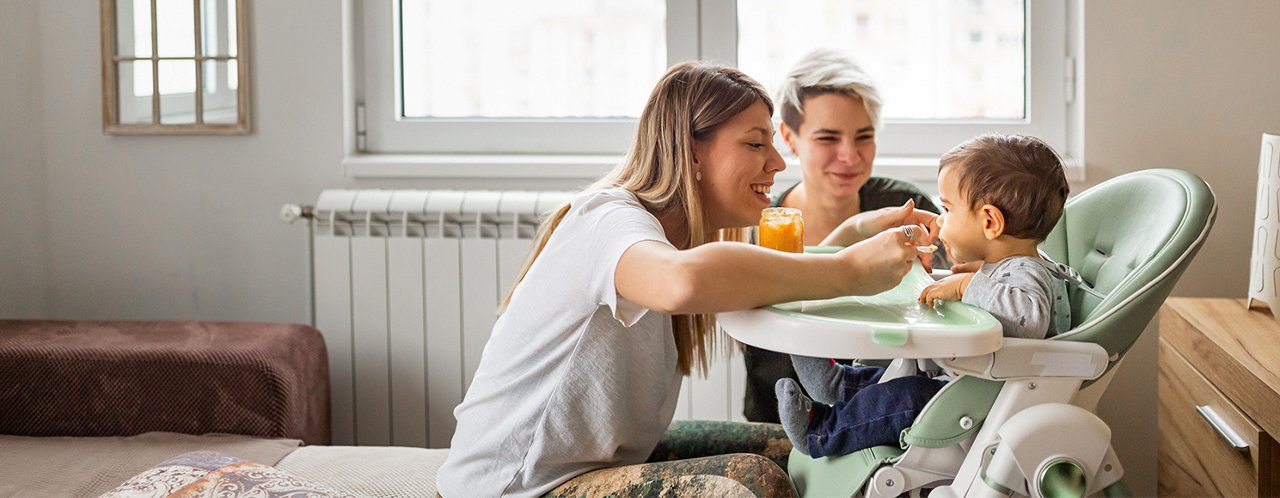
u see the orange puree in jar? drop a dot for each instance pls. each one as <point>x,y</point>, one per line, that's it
<point>782,229</point>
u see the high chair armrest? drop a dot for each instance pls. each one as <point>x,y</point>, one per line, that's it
<point>1034,358</point>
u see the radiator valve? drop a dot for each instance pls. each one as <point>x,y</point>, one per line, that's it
<point>290,213</point>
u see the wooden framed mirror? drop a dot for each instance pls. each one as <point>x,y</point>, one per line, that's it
<point>175,67</point>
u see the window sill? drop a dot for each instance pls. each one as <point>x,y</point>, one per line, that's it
<point>919,169</point>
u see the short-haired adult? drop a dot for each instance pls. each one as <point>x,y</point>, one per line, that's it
<point>830,111</point>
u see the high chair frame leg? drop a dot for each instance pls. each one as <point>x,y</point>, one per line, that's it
<point>917,468</point>
<point>1052,449</point>
<point>1015,396</point>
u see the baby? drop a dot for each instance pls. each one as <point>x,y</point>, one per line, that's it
<point>1002,195</point>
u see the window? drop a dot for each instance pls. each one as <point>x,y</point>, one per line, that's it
<point>174,66</point>
<point>504,78</point>
<point>494,59</point>
<point>946,70</point>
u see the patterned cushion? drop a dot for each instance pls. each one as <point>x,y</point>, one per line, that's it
<point>210,474</point>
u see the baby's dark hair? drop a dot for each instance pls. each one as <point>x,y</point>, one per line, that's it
<point>1021,175</point>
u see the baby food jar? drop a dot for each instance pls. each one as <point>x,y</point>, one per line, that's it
<point>782,228</point>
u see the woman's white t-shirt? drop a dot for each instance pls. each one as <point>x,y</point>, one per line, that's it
<point>574,377</point>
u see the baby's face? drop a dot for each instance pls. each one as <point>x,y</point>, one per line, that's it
<point>961,230</point>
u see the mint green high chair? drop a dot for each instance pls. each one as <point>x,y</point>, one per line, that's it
<point>1019,421</point>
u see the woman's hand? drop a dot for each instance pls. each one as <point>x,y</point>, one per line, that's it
<point>948,289</point>
<point>877,264</point>
<point>863,225</point>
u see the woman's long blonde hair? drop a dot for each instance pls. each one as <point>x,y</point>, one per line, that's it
<point>690,103</point>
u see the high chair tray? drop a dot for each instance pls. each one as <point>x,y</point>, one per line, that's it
<point>888,325</point>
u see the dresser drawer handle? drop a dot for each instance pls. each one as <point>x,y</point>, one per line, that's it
<point>1228,434</point>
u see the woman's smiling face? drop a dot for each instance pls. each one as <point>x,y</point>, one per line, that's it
<point>836,144</point>
<point>738,164</point>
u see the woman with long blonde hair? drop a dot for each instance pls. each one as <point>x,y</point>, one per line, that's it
<point>579,379</point>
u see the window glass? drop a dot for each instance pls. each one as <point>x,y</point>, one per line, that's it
<point>175,28</point>
<point>930,59</point>
<point>520,59</point>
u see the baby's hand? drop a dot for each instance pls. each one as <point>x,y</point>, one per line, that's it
<point>948,289</point>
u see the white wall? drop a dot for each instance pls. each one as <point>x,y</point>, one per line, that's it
<point>1186,84</point>
<point>185,227</point>
<point>23,287</point>
<point>169,227</point>
<point>165,227</point>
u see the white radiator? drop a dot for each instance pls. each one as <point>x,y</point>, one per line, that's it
<point>406,284</point>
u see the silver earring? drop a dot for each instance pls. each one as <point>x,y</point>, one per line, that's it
<point>697,176</point>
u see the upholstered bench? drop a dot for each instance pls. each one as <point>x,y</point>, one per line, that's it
<point>87,396</point>
<point>114,378</point>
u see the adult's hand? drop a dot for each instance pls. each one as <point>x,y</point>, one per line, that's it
<point>878,263</point>
<point>862,226</point>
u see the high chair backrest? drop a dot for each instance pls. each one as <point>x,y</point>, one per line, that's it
<point>1130,238</point>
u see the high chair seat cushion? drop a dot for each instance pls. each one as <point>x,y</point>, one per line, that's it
<point>943,421</point>
<point>838,476</point>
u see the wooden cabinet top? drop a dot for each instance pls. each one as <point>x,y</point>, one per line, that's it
<point>1238,349</point>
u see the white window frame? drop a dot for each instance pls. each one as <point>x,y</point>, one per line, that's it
<point>382,145</point>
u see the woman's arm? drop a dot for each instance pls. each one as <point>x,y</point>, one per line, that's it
<point>724,276</point>
<point>863,225</point>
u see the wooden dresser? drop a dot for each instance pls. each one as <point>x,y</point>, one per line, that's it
<point>1219,362</point>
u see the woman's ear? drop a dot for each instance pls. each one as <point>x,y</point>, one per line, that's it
<point>788,136</point>
<point>699,149</point>
<point>992,221</point>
